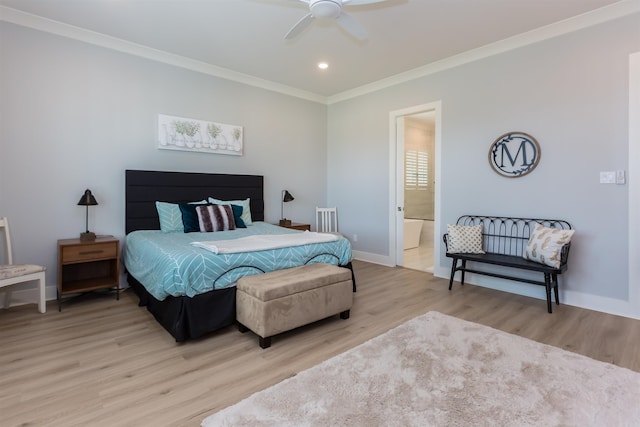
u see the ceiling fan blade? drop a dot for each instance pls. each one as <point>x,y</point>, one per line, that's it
<point>300,26</point>
<point>351,26</point>
<point>359,2</point>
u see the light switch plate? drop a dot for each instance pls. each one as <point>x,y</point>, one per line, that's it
<point>607,177</point>
<point>620,177</point>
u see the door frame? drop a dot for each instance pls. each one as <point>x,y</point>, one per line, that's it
<point>633,307</point>
<point>396,181</point>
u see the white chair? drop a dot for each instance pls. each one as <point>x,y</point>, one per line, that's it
<point>326,220</point>
<point>11,273</point>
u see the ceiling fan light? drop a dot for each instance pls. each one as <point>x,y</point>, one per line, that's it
<point>325,9</point>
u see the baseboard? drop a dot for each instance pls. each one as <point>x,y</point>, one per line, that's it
<point>27,296</point>
<point>373,258</point>
<point>576,299</point>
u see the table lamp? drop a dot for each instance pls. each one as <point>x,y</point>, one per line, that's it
<point>286,197</point>
<point>87,200</point>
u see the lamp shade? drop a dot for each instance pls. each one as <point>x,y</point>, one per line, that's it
<point>286,196</point>
<point>87,199</point>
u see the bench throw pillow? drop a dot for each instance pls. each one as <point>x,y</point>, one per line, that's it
<point>465,239</point>
<point>545,245</point>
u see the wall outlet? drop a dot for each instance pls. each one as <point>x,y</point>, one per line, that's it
<point>355,237</point>
<point>620,177</point>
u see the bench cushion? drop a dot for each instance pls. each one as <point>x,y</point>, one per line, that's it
<point>280,283</point>
<point>18,270</point>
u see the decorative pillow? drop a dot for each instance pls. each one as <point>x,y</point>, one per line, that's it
<point>237,213</point>
<point>215,217</point>
<point>189,217</point>
<point>545,245</point>
<point>246,207</point>
<point>465,239</point>
<point>170,216</point>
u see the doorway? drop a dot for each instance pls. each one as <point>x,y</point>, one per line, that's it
<point>419,194</point>
<point>415,149</point>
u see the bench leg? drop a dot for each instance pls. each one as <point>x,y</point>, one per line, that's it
<point>547,282</point>
<point>453,271</point>
<point>264,342</point>
<point>464,267</point>
<point>554,278</point>
<point>345,314</point>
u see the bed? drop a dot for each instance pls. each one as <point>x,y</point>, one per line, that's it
<point>189,290</point>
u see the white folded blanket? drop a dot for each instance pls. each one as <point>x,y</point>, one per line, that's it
<point>264,242</point>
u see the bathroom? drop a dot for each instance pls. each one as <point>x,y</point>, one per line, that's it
<point>419,196</point>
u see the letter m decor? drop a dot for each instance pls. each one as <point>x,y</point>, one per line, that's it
<point>514,154</point>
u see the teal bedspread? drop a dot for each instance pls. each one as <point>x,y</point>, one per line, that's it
<point>167,264</point>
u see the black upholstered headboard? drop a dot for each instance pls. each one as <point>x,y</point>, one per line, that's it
<point>144,188</point>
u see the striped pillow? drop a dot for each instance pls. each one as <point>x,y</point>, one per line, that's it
<point>215,218</point>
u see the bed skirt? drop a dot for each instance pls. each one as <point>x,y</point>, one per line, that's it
<point>190,317</point>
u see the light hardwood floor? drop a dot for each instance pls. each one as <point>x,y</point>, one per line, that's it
<point>102,362</point>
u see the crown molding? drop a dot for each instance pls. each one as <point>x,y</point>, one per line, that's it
<point>588,19</point>
<point>98,39</point>
<point>604,14</point>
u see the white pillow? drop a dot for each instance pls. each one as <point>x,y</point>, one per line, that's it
<point>246,207</point>
<point>545,244</point>
<point>465,239</point>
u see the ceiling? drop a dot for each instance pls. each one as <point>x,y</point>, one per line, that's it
<point>247,36</point>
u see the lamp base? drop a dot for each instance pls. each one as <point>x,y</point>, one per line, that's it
<point>87,237</point>
<point>285,222</point>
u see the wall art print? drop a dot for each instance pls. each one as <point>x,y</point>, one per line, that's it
<point>514,154</point>
<point>179,133</point>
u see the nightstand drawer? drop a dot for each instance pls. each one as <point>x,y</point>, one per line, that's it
<point>89,252</point>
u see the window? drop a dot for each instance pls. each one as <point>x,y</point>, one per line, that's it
<point>416,170</point>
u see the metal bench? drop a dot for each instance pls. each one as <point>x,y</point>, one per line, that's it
<point>504,241</point>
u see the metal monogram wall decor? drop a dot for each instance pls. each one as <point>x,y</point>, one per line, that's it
<point>514,154</point>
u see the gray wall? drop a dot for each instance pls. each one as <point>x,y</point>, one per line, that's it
<point>75,116</point>
<point>571,93</point>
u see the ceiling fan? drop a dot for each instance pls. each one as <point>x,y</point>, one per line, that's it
<point>331,9</point>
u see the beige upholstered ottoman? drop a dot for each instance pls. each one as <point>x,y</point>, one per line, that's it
<point>282,300</point>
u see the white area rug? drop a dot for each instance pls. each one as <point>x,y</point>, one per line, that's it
<point>437,370</point>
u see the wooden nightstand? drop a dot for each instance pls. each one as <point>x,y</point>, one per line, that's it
<point>298,226</point>
<point>88,266</point>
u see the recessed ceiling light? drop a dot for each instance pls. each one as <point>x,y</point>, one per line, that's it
<point>323,65</point>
